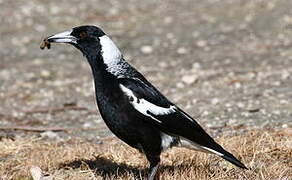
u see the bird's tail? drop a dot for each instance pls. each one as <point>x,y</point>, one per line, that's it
<point>229,157</point>
<point>218,150</point>
<point>213,148</point>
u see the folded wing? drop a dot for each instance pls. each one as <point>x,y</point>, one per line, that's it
<point>167,117</point>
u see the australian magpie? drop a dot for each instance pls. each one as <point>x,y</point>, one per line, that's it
<point>132,108</point>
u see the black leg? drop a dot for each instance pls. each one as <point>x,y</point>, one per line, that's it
<point>154,164</point>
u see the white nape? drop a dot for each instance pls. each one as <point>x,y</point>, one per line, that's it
<point>110,52</point>
<point>143,106</point>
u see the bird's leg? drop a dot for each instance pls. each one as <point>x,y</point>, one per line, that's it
<point>153,169</point>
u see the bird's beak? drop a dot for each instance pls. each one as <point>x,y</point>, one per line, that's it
<point>63,37</point>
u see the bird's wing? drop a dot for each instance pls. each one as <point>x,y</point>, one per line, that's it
<point>147,100</point>
<point>169,118</point>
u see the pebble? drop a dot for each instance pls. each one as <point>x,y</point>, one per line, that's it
<point>237,85</point>
<point>287,19</point>
<point>277,112</point>
<point>50,135</point>
<point>189,79</point>
<point>37,174</point>
<point>146,49</point>
<point>88,125</point>
<point>283,101</point>
<point>180,85</point>
<point>276,83</point>
<point>163,64</point>
<point>57,83</point>
<point>229,109</point>
<point>37,61</point>
<point>215,101</point>
<point>240,105</point>
<point>228,105</point>
<point>201,43</point>
<point>181,50</point>
<point>196,66</point>
<point>205,113</point>
<point>285,75</point>
<point>113,11</point>
<point>45,73</point>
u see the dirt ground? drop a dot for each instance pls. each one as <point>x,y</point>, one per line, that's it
<point>228,63</point>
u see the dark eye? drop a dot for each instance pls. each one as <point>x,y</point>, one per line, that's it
<point>82,35</point>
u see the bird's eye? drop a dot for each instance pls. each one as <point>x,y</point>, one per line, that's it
<point>82,34</point>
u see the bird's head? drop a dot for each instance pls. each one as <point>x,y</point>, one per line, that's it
<point>90,40</point>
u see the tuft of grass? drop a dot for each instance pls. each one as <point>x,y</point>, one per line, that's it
<point>267,153</point>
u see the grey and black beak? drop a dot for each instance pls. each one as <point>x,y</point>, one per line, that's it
<point>63,37</point>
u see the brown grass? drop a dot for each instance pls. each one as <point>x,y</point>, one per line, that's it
<point>267,153</point>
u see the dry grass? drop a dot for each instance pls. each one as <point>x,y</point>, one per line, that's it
<point>267,153</point>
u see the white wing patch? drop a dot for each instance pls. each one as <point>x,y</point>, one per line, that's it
<point>144,106</point>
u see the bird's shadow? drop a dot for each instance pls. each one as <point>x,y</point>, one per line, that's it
<point>108,169</point>
<point>105,167</point>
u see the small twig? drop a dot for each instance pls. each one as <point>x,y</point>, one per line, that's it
<point>54,129</point>
<point>33,129</point>
<point>254,110</point>
<point>228,126</point>
<point>54,110</point>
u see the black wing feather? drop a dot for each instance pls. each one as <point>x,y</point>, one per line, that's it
<point>143,89</point>
<point>178,122</point>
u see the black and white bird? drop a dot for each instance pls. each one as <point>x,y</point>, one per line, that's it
<point>132,108</point>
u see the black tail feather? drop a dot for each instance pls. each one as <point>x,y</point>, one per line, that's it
<point>229,157</point>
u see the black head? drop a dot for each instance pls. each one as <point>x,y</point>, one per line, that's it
<point>85,38</point>
<point>91,41</point>
<point>83,32</point>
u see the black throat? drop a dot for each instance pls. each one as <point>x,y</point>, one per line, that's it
<point>104,81</point>
<point>93,54</point>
